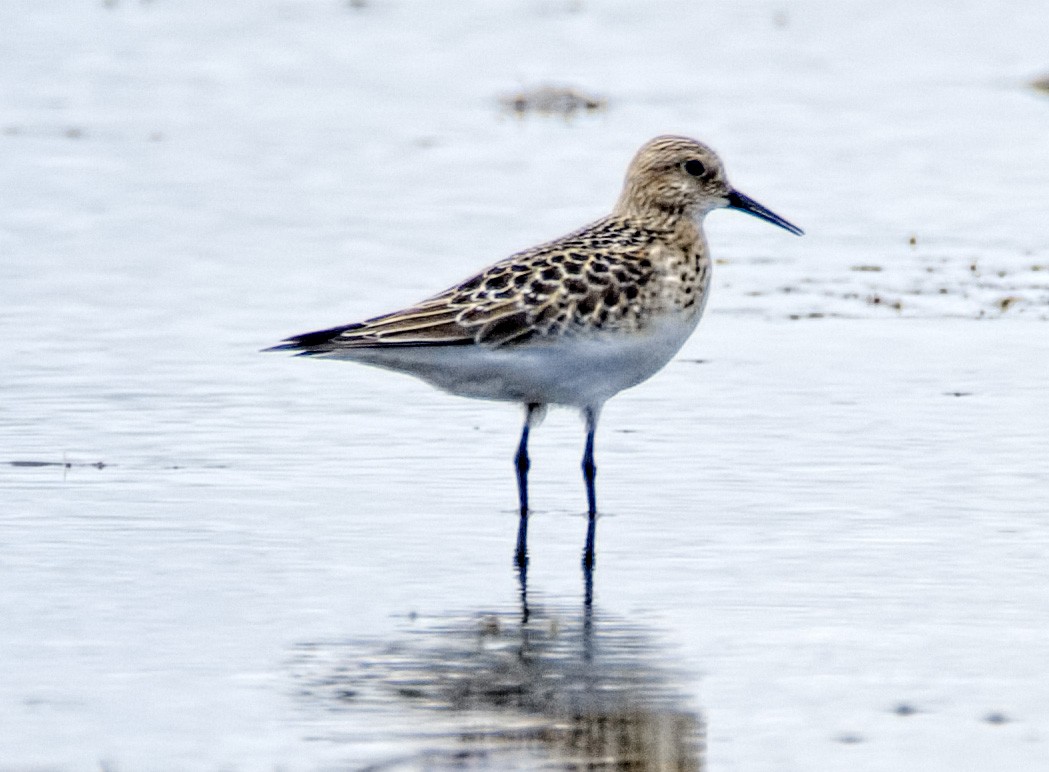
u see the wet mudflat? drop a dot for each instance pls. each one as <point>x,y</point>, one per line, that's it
<point>824,538</point>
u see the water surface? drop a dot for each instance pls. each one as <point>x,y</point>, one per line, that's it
<point>823,541</point>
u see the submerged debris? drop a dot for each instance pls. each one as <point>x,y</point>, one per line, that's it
<point>878,300</point>
<point>552,100</point>
<point>1004,304</point>
<point>62,464</point>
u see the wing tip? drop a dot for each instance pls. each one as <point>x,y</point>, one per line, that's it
<point>311,343</point>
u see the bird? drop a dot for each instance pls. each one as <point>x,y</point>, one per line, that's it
<point>570,322</point>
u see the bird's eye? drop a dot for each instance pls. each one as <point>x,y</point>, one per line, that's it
<point>695,168</point>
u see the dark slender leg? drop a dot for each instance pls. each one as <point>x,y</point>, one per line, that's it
<point>521,462</point>
<point>589,473</point>
<point>589,467</point>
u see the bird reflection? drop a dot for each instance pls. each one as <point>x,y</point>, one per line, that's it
<point>521,565</point>
<point>529,687</point>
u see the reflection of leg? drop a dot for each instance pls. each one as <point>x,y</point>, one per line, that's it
<point>588,612</point>
<point>522,580</point>
<point>589,473</point>
<point>589,558</point>
<point>533,412</point>
<point>521,553</point>
<point>588,585</point>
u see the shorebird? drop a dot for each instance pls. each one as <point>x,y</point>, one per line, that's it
<point>570,322</point>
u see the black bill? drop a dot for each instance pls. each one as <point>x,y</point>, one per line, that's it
<point>737,200</point>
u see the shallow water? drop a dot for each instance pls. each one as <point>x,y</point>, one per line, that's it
<point>823,540</point>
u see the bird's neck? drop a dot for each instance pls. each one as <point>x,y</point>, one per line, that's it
<point>673,225</point>
<point>655,216</point>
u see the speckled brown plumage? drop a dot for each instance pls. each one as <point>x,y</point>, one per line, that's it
<point>646,260</point>
<point>611,276</point>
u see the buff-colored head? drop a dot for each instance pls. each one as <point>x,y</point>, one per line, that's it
<point>677,176</point>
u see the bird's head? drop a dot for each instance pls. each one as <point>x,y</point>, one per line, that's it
<point>677,176</point>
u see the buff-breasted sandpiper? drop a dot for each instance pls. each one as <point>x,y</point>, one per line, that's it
<point>570,322</point>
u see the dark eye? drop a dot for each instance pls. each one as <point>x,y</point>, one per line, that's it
<point>695,168</point>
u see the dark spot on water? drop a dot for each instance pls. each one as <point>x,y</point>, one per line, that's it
<point>849,738</point>
<point>904,709</point>
<point>996,718</point>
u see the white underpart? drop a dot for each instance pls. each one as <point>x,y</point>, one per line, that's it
<point>575,371</point>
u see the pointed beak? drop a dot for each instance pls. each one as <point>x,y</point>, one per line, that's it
<point>737,200</point>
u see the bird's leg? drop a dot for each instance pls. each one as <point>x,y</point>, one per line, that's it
<point>533,412</point>
<point>589,467</point>
<point>589,473</point>
<point>522,463</point>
